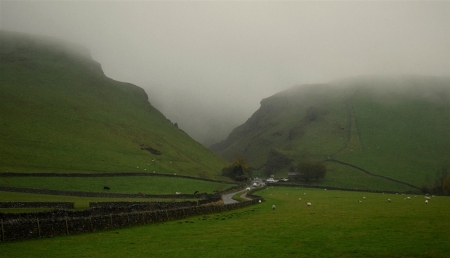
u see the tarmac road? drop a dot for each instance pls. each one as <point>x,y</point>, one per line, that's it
<point>227,198</point>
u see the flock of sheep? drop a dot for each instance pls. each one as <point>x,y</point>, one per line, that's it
<point>427,198</point>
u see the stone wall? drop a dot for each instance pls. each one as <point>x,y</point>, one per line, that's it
<point>16,227</point>
<point>57,205</point>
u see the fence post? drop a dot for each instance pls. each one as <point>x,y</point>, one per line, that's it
<point>3,231</point>
<point>67,227</point>
<point>39,227</point>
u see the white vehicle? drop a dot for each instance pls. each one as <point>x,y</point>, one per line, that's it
<point>255,184</point>
<point>270,180</point>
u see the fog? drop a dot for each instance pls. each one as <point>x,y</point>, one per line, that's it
<point>206,65</point>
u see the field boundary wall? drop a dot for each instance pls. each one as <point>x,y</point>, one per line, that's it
<point>17,227</point>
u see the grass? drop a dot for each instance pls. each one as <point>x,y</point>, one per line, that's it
<point>127,184</point>
<point>80,203</point>
<point>336,225</point>
<point>61,114</point>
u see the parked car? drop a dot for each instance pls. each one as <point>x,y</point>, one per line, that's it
<point>270,180</point>
<point>284,179</point>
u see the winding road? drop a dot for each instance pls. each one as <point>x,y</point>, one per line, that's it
<point>228,198</point>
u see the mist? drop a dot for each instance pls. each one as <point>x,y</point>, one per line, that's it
<point>207,65</point>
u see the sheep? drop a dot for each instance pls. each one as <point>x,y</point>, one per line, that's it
<point>273,207</point>
<point>259,201</point>
<point>428,198</point>
<point>359,201</point>
<point>177,193</point>
<point>426,201</point>
<point>299,199</point>
<point>364,197</point>
<point>408,198</point>
<point>389,200</point>
<point>308,204</point>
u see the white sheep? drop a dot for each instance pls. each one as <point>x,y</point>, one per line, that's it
<point>428,198</point>
<point>389,200</point>
<point>177,193</point>
<point>364,197</point>
<point>408,198</point>
<point>299,199</point>
<point>426,201</point>
<point>273,207</point>
<point>308,204</point>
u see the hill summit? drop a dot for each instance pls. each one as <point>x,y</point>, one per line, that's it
<point>60,113</point>
<point>395,127</point>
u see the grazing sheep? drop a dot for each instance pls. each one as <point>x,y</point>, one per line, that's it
<point>364,197</point>
<point>177,193</point>
<point>359,201</point>
<point>389,200</point>
<point>408,198</point>
<point>428,198</point>
<point>273,207</point>
<point>299,199</point>
<point>426,201</point>
<point>259,201</point>
<point>308,204</point>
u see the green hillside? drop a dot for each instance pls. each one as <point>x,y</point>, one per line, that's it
<point>397,127</point>
<point>60,113</point>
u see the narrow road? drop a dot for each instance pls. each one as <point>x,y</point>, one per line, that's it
<point>228,198</point>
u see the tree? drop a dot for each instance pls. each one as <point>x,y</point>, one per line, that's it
<point>446,185</point>
<point>441,177</point>
<point>238,170</point>
<point>308,171</point>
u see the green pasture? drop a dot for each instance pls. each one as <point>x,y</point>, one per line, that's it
<point>118,184</point>
<point>80,203</point>
<point>336,225</point>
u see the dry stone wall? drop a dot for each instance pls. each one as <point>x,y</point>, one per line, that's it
<point>62,222</point>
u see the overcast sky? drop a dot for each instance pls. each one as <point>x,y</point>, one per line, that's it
<point>207,64</point>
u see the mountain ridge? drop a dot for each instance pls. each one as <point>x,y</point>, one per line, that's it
<point>349,120</point>
<point>60,113</point>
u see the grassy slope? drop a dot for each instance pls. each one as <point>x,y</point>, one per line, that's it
<point>408,118</point>
<point>337,225</point>
<point>60,113</point>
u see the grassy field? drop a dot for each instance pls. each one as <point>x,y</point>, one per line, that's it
<point>117,184</point>
<point>80,203</point>
<point>336,225</point>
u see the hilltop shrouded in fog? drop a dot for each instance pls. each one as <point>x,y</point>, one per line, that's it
<point>394,127</point>
<point>206,65</point>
